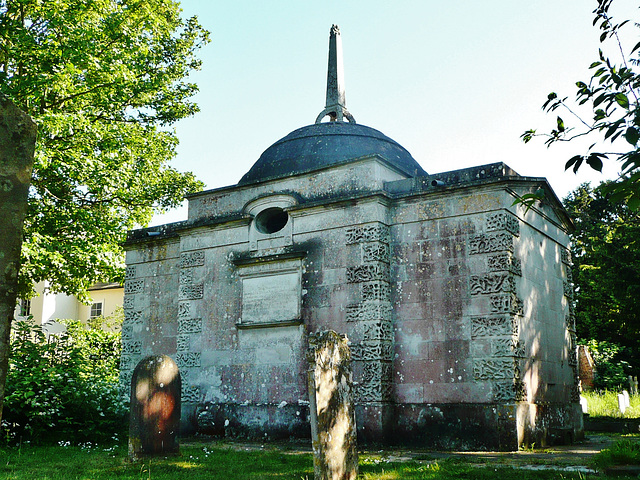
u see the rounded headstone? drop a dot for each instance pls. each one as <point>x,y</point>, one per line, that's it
<point>155,407</point>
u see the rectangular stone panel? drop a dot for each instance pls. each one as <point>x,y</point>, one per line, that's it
<point>494,369</point>
<point>368,273</point>
<point>131,287</point>
<point>192,259</point>
<point>506,303</point>
<point>368,311</point>
<point>503,221</point>
<point>375,252</point>
<point>504,261</point>
<point>490,243</point>
<point>368,233</point>
<point>271,298</point>
<point>492,283</point>
<point>191,291</point>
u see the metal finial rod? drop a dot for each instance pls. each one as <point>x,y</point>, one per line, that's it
<point>336,104</point>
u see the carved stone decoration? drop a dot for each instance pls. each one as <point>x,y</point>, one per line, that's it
<point>128,302</point>
<point>367,273</point>
<point>374,392</point>
<point>126,332</point>
<point>375,291</point>
<point>372,350</point>
<point>368,233</point>
<point>568,290</point>
<point>186,276</point>
<point>377,330</point>
<point>132,348</point>
<point>570,323</point>
<point>503,221</point>
<point>490,243</point>
<point>127,362</point>
<point>333,422</point>
<point>375,252</point>
<point>184,309</point>
<point>191,292</point>
<point>133,317</point>
<point>505,262</point>
<point>487,326</point>
<point>506,303</point>
<point>565,256</point>
<point>130,272</point>
<point>131,287</point>
<point>494,369</point>
<point>192,259</point>
<point>189,325</point>
<point>188,359</point>
<point>492,283</point>
<point>507,347</point>
<point>190,394</point>
<point>183,343</point>
<point>368,311</point>
<point>509,391</point>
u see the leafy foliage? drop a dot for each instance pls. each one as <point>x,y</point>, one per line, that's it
<point>104,81</point>
<point>612,95</point>
<point>606,273</point>
<point>611,370</point>
<point>63,387</point>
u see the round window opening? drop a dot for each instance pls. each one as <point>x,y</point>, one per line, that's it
<point>271,220</point>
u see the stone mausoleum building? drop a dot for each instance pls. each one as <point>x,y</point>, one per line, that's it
<point>457,303</point>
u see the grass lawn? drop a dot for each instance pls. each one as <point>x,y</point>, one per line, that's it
<point>200,461</point>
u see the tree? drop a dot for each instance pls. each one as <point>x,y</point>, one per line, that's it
<point>612,95</point>
<point>104,80</point>
<point>606,269</point>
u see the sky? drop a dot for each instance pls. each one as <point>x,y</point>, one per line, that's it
<point>455,82</point>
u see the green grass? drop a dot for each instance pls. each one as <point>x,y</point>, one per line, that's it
<point>220,461</point>
<point>625,451</point>
<point>605,404</point>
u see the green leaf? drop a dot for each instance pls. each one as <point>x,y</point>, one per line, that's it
<point>595,162</point>
<point>560,123</point>
<point>622,100</point>
<point>632,135</point>
<point>572,161</point>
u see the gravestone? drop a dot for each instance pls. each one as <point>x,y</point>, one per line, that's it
<point>586,368</point>
<point>155,407</point>
<point>633,385</point>
<point>333,425</point>
<point>622,403</point>
<point>17,145</point>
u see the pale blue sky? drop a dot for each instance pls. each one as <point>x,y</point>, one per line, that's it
<point>454,82</point>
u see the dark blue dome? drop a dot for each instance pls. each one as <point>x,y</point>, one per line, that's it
<point>322,145</point>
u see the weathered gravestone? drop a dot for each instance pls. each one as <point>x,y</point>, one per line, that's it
<point>17,145</point>
<point>155,407</point>
<point>333,424</point>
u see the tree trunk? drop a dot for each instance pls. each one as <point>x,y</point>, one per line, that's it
<point>17,145</point>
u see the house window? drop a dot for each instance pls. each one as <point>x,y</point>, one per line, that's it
<point>96,310</point>
<point>25,308</point>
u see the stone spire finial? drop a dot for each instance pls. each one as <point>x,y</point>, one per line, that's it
<point>336,104</point>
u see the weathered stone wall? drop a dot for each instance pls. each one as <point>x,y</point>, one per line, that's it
<point>150,305</point>
<point>455,302</point>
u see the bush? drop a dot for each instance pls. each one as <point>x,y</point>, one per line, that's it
<point>612,373</point>
<point>64,387</point>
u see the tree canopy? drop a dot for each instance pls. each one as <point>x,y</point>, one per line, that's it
<point>606,269</point>
<point>104,80</point>
<point>613,97</point>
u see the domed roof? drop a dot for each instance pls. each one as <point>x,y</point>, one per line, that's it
<point>326,144</point>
